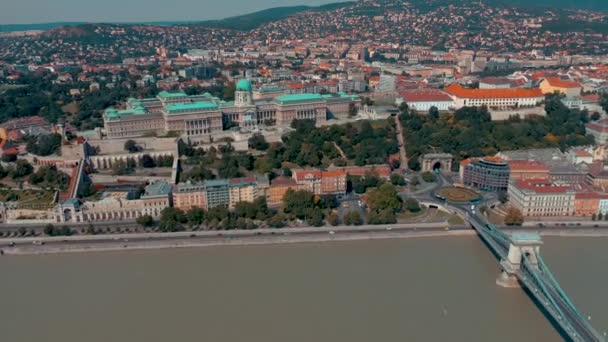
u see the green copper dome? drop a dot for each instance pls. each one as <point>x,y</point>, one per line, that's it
<point>244,85</point>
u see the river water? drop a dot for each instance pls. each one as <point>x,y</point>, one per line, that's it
<point>430,289</point>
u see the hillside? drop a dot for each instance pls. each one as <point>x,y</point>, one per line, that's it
<point>254,20</point>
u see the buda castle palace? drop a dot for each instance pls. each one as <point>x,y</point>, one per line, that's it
<point>199,116</point>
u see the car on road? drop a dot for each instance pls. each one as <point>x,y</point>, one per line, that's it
<point>389,228</point>
<point>11,244</point>
<point>331,232</point>
<point>38,243</point>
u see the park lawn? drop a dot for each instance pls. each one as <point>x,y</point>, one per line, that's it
<point>409,217</point>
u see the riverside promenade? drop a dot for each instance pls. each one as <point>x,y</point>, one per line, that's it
<point>114,242</point>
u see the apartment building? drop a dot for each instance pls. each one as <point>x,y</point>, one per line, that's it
<point>543,198</point>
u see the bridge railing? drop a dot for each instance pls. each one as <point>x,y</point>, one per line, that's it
<point>555,284</point>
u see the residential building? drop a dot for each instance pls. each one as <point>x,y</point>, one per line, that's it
<point>424,99</point>
<point>603,205</point>
<point>218,193</point>
<point>494,98</point>
<point>321,182</point>
<point>488,174</point>
<point>527,170</point>
<point>542,198</point>
<point>569,88</point>
<point>278,187</point>
<point>586,203</point>
<point>599,130</point>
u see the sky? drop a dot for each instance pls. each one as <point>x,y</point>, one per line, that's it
<point>47,11</point>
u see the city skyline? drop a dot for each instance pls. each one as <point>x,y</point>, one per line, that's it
<point>37,12</point>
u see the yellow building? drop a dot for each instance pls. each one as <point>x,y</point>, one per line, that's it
<point>551,85</point>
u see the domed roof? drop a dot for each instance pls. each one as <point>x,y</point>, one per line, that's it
<point>244,85</point>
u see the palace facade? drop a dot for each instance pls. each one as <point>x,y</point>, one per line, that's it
<point>201,115</point>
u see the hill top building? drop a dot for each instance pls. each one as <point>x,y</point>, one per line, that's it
<point>198,116</point>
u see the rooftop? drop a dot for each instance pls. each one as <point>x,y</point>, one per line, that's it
<point>425,95</point>
<point>158,188</point>
<point>458,90</point>
<point>543,186</point>
<point>298,97</point>
<point>165,95</point>
<point>558,82</point>
<point>193,106</point>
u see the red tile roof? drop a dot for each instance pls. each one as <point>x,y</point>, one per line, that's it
<point>526,165</point>
<point>542,186</point>
<point>425,95</point>
<point>598,126</point>
<point>465,93</point>
<point>559,83</point>
<point>283,181</point>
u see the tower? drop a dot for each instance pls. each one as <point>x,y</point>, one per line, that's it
<point>243,96</point>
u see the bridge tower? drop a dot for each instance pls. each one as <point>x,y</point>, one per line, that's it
<point>522,244</point>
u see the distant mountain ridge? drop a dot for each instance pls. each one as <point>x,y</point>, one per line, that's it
<point>254,20</point>
<point>242,22</point>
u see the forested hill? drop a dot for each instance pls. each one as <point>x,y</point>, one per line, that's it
<point>254,20</point>
<point>598,5</point>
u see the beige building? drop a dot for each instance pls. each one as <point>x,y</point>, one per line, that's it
<point>218,193</point>
<point>569,88</point>
<point>201,115</point>
<point>116,206</point>
<point>542,198</point>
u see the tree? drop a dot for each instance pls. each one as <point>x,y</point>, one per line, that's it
<point>22,169</point>
<point>171,220</point>
<point>196,216</point>
<point>352,110</point>
<point>333,218</point>
<point>412,205</point>
<point>315,218</point>
<point>131,146</point>
<point>414,182</point>
<point>397,180</point>
<point>49,176</point>
<point>298,203</point>
<point>600,216</point>
<point>593,217</point>
<point>595,116</point>
<point>9,158</point>
<point>383,203</point>
<point>353,218</point>
<point>145,221</point>
<point>429,177</point>
<point>434,113</point>
<point>49,229</point>
<point>147,161</point>
<point>277,221</point>
<point>604,102</point>
<point>413,164</point>
<point>395,164</point>
<point>3,172</point>
<point>44,145</point>
<point>514,217</point>
<point>258,142</point>
<point>120,168</point>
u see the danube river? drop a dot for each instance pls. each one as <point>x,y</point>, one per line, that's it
<point>427,289</point>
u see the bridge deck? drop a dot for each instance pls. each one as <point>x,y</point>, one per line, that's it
<point>541,285</point>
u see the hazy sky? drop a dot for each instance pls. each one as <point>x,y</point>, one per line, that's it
<point>44,11</point>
